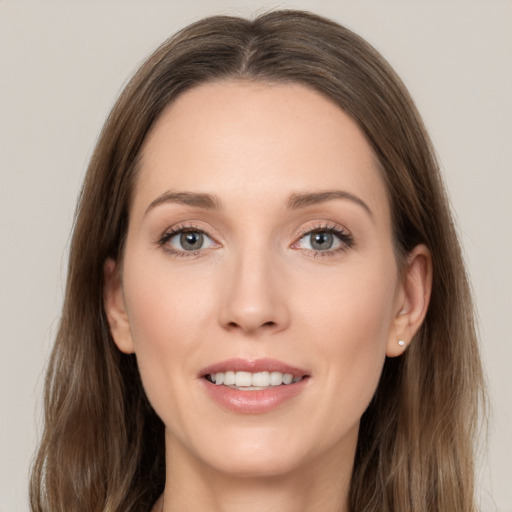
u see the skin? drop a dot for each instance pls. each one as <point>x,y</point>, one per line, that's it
<point>257,289</point>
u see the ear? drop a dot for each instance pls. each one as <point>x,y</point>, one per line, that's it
<point>413,300</point>
<point>115,308</point>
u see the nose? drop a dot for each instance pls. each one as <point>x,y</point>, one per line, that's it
<point>254,296</point>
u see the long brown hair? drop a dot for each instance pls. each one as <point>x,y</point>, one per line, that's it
<point>103,446</point>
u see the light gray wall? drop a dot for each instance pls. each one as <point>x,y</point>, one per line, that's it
<point>62,65</point>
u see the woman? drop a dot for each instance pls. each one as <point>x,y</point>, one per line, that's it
<point>266,303</point>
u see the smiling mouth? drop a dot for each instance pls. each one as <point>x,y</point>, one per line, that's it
<point>253,381</point>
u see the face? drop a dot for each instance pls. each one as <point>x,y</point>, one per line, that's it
<point>259,246</point>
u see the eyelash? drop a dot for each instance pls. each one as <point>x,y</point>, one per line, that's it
<point>345,238</point>
<point>177,230</point>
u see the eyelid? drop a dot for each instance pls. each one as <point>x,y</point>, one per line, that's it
<point>190,227</point>
<point>321,226</point>
<point>344,236</point>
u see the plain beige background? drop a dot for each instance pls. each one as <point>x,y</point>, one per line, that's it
<point>62,65</point>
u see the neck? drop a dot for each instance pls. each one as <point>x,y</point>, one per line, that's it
<point>321,484</point>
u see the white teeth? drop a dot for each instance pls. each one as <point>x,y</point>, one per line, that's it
<point>257,380</point>
<point>243,379</point>
<point>276,378</point>
<point>261,379</point>
<point>287,378</point>
<point>229,378</point>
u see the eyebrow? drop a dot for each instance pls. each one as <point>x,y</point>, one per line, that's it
<point>297,201</point>
<point>199,200</point>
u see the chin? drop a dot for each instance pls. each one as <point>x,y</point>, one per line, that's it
<point>249,453</point>
<point>264,465</point>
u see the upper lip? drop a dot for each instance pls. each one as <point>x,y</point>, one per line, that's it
<point>253,366</point>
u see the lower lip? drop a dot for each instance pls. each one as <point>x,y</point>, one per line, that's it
<point>255,401</point>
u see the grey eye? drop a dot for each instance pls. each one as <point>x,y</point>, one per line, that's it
<point>191,241</point>
<point>188,241</point>
<point>321,240</point>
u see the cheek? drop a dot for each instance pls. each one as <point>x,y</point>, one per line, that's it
<point>164,304</point>
<point>350,317</point>
<point>354,304</point>
<point>167,314</point>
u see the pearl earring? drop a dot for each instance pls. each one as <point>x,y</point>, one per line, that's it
<point>401,343</point>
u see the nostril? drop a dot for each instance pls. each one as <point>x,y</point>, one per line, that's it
<point>235,325</point>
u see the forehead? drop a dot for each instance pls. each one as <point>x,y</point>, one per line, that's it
<point>256,140</point>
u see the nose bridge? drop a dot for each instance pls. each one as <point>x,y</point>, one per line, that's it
<point>254,298</point>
